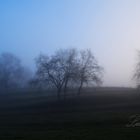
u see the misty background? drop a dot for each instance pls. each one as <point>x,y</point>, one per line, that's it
<point>111,29</point>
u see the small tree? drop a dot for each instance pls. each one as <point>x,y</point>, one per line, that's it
<point>88,70</point>
<point>49,69</point>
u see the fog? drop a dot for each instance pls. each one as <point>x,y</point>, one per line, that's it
<point>70,69</point>
<point>109,28</point>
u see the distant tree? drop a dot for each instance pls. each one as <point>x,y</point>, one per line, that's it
<point>89,70</point>
<point>11,71</point>
<point>136,75</point>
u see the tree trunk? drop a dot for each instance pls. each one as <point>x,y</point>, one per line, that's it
<point>65,89</point>
<point>80,88</point>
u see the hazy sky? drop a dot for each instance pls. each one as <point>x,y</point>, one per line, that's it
<point>111,28</point>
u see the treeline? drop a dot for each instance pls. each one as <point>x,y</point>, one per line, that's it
<point>65,69</point>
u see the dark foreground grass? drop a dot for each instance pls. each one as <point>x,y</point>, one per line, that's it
<point>81,132</point>
<point>101,116</point>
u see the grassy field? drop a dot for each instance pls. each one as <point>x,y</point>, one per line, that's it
<point>100,114</point>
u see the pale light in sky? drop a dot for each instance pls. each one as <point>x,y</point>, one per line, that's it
<point>111,28</point>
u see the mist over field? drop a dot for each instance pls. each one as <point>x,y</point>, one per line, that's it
<point>70,69</point>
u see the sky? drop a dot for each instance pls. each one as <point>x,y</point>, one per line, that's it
<point>110,28</point>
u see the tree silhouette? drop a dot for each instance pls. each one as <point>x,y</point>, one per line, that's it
<point>11,71</point>
<point>68,66</point>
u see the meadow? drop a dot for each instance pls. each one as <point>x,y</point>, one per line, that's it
<point>98,114</point>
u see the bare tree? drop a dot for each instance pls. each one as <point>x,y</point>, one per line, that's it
<point>49,69</point>
<point>66,67</point>
<point>68,61</point>
<point>88,70</point>
<point>57,69</point>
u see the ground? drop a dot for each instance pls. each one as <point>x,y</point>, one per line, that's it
<point>100,114</point>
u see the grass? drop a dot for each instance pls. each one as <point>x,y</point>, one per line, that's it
<point>76,132</point>
<point>100,115</point>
